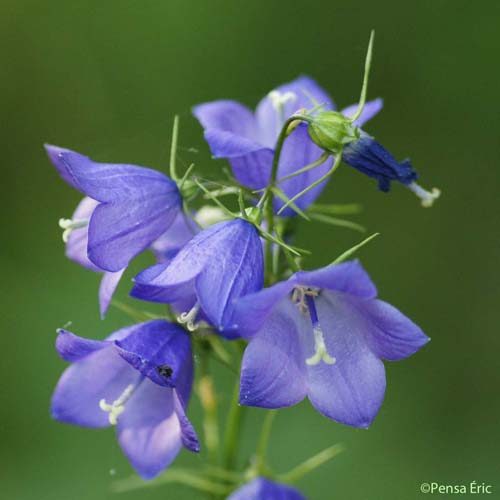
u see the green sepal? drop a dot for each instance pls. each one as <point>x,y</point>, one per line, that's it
<point>331,130</point>
<point>344,256</point>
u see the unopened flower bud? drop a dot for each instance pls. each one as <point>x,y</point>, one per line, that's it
<point>188,189</point>
<point>254,215</point>
<point>331,130</point>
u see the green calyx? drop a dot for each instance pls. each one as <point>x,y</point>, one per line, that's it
<point>188,189</point>
<point>331,130</point>
<point>254,215</point>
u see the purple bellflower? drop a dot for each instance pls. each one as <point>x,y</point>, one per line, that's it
<point>248,139</point>
<point>220,264</point>
<point>166,247</point>
<point>136,205</point>
<point>264,489</point>
<point>330,131</point>
<point>76,239</point>
<point>322,334</point>
<point>138,379</point>
<point>372,159</point>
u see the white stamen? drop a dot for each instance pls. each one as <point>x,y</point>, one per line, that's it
<point>69,225</point>
<point>188,318</point>
<point>118,406</point>
<point>321,353</point>
<point>428,197</point>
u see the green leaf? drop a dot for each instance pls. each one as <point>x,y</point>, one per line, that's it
<point>354,249</point>
<point>134,313</point>
<point>214,199</point>
<point>280,194</point>
<point>334,221</point>
<point>310,464</point>
<point>186,477</point>
<point>336,209</point>
<point>364,88</point>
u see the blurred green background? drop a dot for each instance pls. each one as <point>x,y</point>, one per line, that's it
<point>106,78</point>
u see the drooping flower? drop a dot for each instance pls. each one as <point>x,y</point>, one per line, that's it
<point>76,249</point>
<point>248,139</point>
<point>183,229</point>
<point>138,379</point>
<point>220,264</point>
<point>136,205</point>
<point>372,159</point>
<point>264,489</point>
<point>322,334</point>
<point>331,132</point>
<point>167,246</point>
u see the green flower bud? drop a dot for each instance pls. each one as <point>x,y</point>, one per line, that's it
<point>331,130</point>
<point>188,189</point>
<point>254,215</point>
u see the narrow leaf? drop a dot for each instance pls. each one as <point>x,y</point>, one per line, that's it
<point>334,221</point>
<point>354,249</point>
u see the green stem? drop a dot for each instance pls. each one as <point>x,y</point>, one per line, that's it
<point>267,199</point>
<point>264,439</point>
<point>233,426</point>
<point>291,261</point>
<point>134,313</point>
<point>174,475</point>
<point>310,464</point>
<point>312,165</point>
<point>208,399</point>
<point>336,165</point>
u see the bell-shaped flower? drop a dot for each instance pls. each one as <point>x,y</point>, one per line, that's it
<point>138,379</point>
<point>220,264</point>
<point>167,246</point>
<point>322,334</point>
<point>76,249</point>
<point>184,227</point>
<point>248,139</point>
<point>372,159</point>
<point>265,489</point>
<point>136,205</point>
<point>332,132</point>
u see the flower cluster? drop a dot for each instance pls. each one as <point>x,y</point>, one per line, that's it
<point>231,277</point>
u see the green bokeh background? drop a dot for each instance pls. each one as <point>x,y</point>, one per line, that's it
<point>106,78</point>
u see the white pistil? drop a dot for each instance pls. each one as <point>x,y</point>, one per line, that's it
<point>303,297</point>
<point>321,354</point>
<point>279,100</point>
<point>118,406</point>
<point>189,318</point>
<point>69,225</point>
<point>428,197</point>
